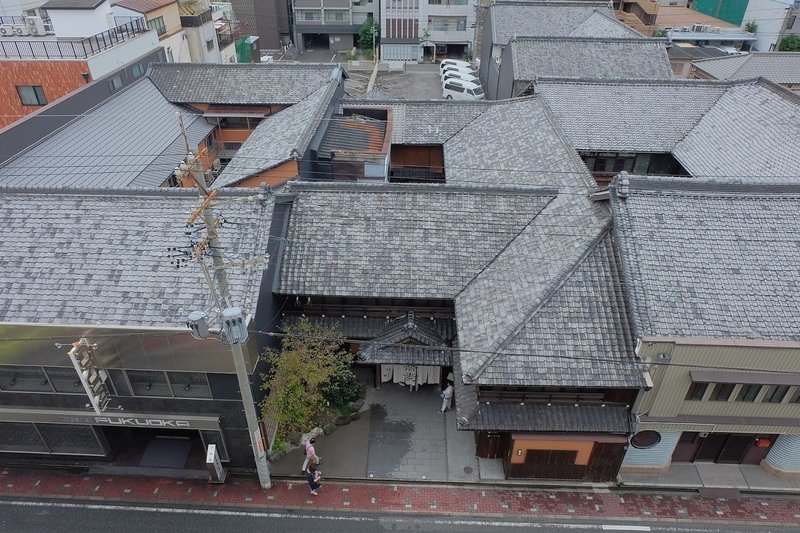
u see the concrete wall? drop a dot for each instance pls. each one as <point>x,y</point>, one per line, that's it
<point>770,15</point>
<point>505,77</point>
<point>197,38</point>
<point>120,55</point>
<point>81,22</point>
<point>178,44</point>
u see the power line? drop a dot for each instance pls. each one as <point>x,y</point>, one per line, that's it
<point>454,350</point>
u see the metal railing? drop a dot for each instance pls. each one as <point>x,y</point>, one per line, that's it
<point>50,49</point>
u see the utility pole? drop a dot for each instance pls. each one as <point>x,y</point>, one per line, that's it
<point>233,329</point>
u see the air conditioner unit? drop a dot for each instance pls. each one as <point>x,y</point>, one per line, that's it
<point>216,165</point>
<point>35,25</point>
<point>697,28</point>
<point>706,28</point>
<point>21,29</point>
<point>7,30</point>
<point>686,28</point>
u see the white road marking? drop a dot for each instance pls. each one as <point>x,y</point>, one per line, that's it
<point>610,527</point>
<point>252,514</point>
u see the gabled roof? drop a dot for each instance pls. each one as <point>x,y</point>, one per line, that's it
<point>506,143</point>
<point>280,137</point>
<point>593,58</point>
<point>245,84</point>
<point>133,139</point>
<point>640,116</point>
<point>751,131</point>
<point>554,19</point>
<point>143,6</point>
<point>777,67</point>
<point>712,259</point>
<point>99,256</point>
<point>723,129</point>
<point>398,241</point>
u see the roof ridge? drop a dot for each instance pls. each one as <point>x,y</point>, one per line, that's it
<point>504,248</point>
<point>555,286</point>
<point>126,191</point>
<point>342,187</point>
<point>709,186</point>
<point>569,38</point>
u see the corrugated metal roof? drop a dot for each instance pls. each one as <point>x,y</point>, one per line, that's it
<point>132,139</point>
<point>353,133</point>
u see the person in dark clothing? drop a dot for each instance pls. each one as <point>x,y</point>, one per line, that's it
<point>313,478</point>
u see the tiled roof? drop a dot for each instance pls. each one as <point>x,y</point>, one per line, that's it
<point>278,137</point>
<point>133,139</point>
<point>777,67</point>
<point>554,418</point>
<point>554,19</point>
<point>374,94</point>
<point>246,84</point>
<point>594,58</point>
<point>398,241</point>
<point>510,143</point>
<point>751,131</point>
<point>580,336</point>
<point>143,6</point>
<point>627,115</point>
<point>603,23</point>
<point>406,354</point>
<point>368,327</point>
<point>99,257</point>
<point>708,258</point>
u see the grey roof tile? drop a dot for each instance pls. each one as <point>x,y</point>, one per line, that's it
<point>554,418</point>
<point>747,133</point>
<point>554,19</point>
<point>589,58</point>
<point>133,139</point>
<point>406,354</point>
<point>99,257</point>
<point>278,136</point>
<point>777,67</point>
<point>710,258</point>
<point>245,84</point>
<point>398,241</point>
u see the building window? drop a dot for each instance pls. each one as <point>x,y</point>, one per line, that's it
<point>115,84</point>
<point>149,383</point>
<point>65,380</point>
<point>722,392</point>
<point>231,146</point>
<point>796,396</point>
<point>24,378</point>
<point>696,391</point>
<point>775,393</point>
<point>158,25</point>
<point>189,384</point>
<point>748,393</point>
<point>31,95</point>
<point>170,57</point>
<point>790,22</point>
<point>137,70</point>
<point>210,45</point>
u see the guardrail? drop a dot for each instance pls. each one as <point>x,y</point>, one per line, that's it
<point>51,49</point>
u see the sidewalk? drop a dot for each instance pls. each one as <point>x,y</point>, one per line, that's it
<point>747,478</point>
<point>436,499</point>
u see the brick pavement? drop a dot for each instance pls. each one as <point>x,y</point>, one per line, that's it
<point>419,498</point>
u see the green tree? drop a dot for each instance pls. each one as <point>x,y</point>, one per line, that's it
<point>300,372</point>
<point>751,26</point>
<point>790,44</point>
<point>365,34</point>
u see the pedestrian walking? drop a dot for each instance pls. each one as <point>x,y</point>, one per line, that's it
<point>447,397</point>
<point>311,454</point>
<point>313,476</point>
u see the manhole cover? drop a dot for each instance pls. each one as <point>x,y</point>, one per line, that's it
<point>467,469</point>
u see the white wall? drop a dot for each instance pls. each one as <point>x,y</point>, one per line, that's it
<point>81,22</point>
<point>117,56</point>
<point>770,16</point>
<point>197,38</point>
<point>229,53</point>
<point>179,44</point>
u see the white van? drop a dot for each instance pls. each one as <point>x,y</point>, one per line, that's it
<point>454,63</point>
<point>455,68</point>
<point>462,90</point>
<point>460,75</point>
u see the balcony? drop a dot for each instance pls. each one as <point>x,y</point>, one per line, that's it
<point>68,49</point>
<point>194,15</point>
<point>229,31</point>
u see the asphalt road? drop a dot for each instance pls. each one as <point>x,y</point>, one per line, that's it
<point>24,516</point>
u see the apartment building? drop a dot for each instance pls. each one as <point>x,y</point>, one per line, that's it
<point>330,24</point>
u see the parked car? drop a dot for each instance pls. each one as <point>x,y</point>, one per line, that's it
<point>454,63</point>
<point>460,75</point>
<point>462,90</point>
<point>455,68</point>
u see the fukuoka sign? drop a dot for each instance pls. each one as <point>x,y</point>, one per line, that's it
<point>142,422</point>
